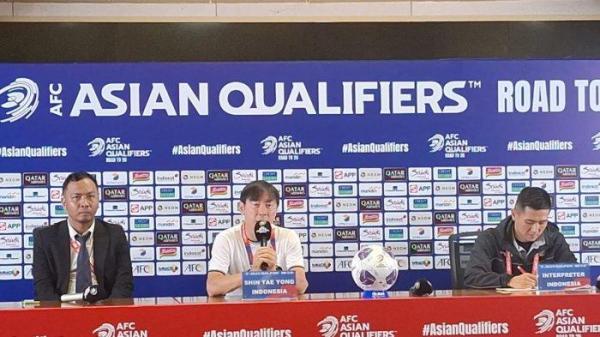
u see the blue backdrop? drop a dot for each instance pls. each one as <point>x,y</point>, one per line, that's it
<point>368,152</point>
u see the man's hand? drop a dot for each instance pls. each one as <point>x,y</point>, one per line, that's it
<point>523,281</point>
<point>266,255</point>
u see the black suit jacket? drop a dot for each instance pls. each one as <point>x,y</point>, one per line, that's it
<point>52,261</point>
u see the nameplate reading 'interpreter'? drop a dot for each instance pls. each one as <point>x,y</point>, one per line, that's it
<point>563,276</point>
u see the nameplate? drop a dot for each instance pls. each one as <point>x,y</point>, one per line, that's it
<point>263,284</point>
<point>563,276</point>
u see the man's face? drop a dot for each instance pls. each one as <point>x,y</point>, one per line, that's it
<point>80,199</point>
<point>264,209</point>
<point>529,223</point>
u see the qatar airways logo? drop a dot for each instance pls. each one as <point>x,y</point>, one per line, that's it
<point>18,100</point>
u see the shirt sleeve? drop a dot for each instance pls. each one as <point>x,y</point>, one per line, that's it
<point>293,257</point>
<point>220,257</point>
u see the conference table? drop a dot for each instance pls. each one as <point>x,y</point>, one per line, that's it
<point>443,313</point>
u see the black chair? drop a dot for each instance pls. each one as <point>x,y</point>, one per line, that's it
<point>460,245</point>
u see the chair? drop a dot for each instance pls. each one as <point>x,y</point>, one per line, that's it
<point>460,245</point>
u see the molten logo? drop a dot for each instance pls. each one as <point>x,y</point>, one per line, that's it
<point>328,327</point>
<point>22,98</point>
<point>544,321</point>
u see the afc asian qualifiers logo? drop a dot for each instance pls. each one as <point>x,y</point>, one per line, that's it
<point>115,150</point>
<point>544,321</point>
<point>453,145</point>
<point>596,141</point>
<point>564,322</point>
<point>105,330</point>
<point>97,146</point>
<point>436,143</point>
<point>328,327</point>
<point>18,100</point>
<point>269,145</point>
<point>121,329</point>
<point>287,148</point>
<point>349,325</point>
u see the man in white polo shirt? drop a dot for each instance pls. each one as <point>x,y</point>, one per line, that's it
<point>236,250</point>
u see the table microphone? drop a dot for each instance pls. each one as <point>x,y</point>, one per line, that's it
<point>262,230</point>
<point>421,288</point>
<point>90,294</point>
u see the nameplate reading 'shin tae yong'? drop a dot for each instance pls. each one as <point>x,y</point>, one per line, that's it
<point>262,284</point>
<point>563,276</point>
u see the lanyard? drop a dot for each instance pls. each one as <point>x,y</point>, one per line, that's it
<point>247,243</point>
<point>508,261</point>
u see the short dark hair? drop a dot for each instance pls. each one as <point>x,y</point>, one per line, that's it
<point>256,189</point>
<point>77,176</point>
<point>533,197</point>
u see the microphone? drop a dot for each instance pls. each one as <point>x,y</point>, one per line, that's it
<point>91,294</point>
<point>262,230</point>
<point>421,288</point>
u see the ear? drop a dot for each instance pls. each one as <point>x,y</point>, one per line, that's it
<point>513,214</point>
<point>241,207</point>
<point>62,199</point>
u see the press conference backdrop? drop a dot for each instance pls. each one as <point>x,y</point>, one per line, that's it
<point>398,153</point>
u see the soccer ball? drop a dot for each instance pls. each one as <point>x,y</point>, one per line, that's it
<point>374,269</point>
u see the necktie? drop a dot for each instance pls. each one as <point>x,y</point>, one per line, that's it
<point>84,274</point>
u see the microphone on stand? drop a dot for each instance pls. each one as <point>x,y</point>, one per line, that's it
<point>91,294</point>
<point>262,230</point>
<point>421,288</point>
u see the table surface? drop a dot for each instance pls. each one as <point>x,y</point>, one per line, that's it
<point>350,296</point>
<point>444,313</point>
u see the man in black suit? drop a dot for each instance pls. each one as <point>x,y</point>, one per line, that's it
<point>81,251</point>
